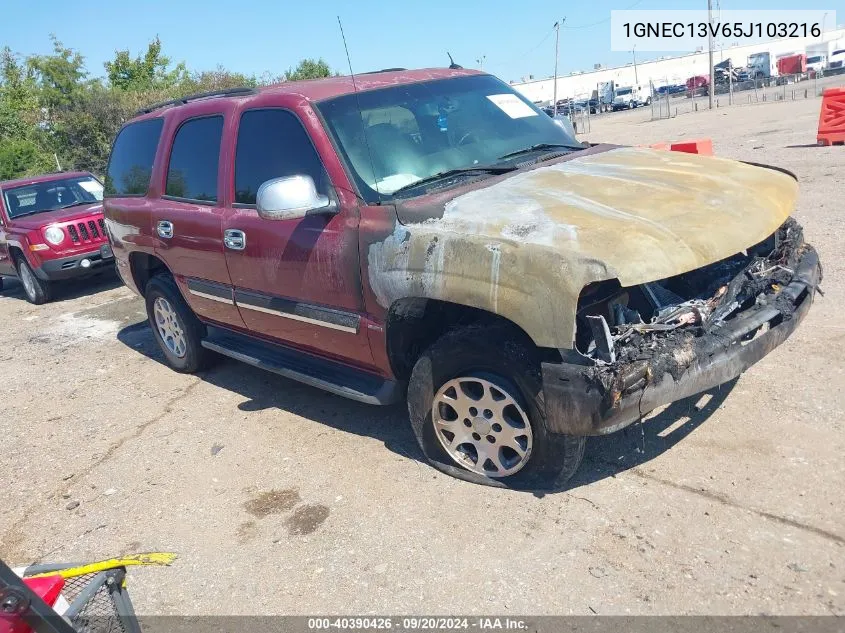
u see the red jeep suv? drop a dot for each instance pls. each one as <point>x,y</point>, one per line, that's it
<point>431,233</point>
<point>51,229</point>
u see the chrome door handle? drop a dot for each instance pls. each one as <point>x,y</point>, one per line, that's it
<point>234,239</point>
<point>165,229</point>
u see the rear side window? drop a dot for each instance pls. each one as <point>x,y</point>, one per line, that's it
<point>131,160</point>
<point>272,144</point>
<point>192,173</point>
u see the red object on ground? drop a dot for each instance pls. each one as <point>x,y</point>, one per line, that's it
<point>703,146</point>
<point>47,588</point>
<point>792,65</point>
<point>832,117</point>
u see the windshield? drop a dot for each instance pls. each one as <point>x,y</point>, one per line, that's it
<point>52,194</point>
<point>623,91</point>
<point>415,131</point>
<point>813,60</point>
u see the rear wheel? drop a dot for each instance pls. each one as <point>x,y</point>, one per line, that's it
<point>37,291</point>
<point>478,414</point>
<point>175,326</point>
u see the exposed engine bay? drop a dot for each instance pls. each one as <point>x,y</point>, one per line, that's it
<point>634,334</point>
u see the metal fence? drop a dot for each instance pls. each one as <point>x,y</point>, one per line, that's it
<point>782,88</point>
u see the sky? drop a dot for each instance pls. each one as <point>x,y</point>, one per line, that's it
<point>514,38</point>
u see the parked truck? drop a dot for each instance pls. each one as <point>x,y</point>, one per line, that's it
<point>630,97</point>
<point>762,66</point>
<point>606,91</point>
<point>792,65</point>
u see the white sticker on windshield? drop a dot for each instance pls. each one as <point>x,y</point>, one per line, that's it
<point>512,105</point>
<point>92,187</point>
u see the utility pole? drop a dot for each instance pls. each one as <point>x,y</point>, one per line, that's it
<point>710,48</point>
<point>636,79</point>
<point>557,48</point>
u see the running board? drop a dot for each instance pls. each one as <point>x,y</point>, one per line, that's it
<point>311,370</point>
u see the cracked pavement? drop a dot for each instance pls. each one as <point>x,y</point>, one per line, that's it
<point>279,498</point>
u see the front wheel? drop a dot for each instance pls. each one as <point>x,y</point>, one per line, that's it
<point>478,413</point>
<point>37,290</point>
<point>175,327</point>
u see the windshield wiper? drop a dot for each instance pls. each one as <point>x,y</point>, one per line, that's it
<point>538,147</point>
<point>484,169</point>
<point>67,206</point>
<point>25,213</point>
<point>74,204</point>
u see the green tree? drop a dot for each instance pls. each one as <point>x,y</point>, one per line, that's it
<point>58,76</point>
<point>21,142</point>
<point>217,79</point>
<point>309,69</point>
<point>144,72</point>
<point>22,157</point>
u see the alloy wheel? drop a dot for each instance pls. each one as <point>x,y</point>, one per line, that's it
<point>482,426</point>
<point>28,281</point>
<point>169,328</point>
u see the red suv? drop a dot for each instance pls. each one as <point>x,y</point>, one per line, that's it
<point>52,229</point>
<point>433,234</point>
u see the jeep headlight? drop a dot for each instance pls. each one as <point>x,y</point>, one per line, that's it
<point>54,235</point>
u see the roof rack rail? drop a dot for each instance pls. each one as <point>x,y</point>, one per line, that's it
<point>384,70</point>
<point>228,92</point>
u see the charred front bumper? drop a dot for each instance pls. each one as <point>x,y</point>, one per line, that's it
<point>597,399</point>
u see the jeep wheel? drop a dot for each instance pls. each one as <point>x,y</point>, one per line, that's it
<point>36,290</point>
<point>478,414</point>
<point>175,327</point>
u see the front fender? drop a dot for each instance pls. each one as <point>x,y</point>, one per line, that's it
<point>531,285</point>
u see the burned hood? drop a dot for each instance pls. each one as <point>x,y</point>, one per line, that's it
<point>640,214</point>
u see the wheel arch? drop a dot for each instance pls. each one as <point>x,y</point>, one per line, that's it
<point>143,267</point>
<point>415,323</point>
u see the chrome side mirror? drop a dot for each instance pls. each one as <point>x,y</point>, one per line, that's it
<point>291,198</point>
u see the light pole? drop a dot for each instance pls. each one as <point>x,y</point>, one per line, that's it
<point>557,47</point>
<point>710,48</point>
<point>634,53</point>
<point>824,19</point>
<point>480,62</point>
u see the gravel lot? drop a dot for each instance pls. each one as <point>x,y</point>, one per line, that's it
<point>279,498</point>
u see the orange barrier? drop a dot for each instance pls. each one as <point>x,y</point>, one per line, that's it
<point>832,117</point>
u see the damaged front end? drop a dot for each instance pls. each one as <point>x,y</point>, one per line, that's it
<point>649,345</point>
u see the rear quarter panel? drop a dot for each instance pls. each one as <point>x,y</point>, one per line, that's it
<point>128,225</point>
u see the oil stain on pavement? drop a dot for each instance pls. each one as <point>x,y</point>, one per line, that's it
<point>272,502</point>
<point>306,519</point>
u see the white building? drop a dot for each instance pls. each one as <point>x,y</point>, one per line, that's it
<point>673,70</point>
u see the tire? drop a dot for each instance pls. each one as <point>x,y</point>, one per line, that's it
<point>175,327</point>
<point>36,291</point>
<point>507,367</point>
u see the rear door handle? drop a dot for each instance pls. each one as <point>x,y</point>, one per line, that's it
<point>165,229</point>
<point>234,239</point>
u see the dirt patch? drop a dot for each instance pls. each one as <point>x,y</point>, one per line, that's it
<point>272,502</point>
<point>247,531</point>
<point>307,519</point>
